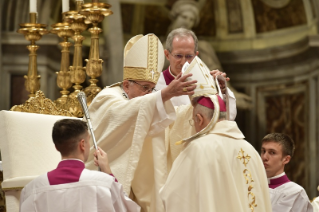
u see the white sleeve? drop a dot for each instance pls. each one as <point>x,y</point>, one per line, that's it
<point>121,202</point>
<point>293,202</point>
<point>302,203</point>
<point>164,115</point>
<point>232,105</point>
<point>315,205</point>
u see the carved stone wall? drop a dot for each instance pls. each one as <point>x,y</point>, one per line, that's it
<point>269,19</point>
<point>284,95</point>
<point>234,15</point>
<point>283,108</point>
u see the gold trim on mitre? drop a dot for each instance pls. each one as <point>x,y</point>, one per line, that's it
<point>150,73</point>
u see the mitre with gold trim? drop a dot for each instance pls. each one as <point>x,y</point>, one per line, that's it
<point>143,58</point>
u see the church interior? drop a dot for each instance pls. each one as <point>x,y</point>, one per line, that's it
<point>268,48</point>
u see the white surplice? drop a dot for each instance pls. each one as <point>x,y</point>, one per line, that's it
<point>184,100</point>
<point>95,192</point>
<point>132,132</point>
<point>217,172</point>
<point>290,197</point>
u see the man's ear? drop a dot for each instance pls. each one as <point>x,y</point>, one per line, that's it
<point>125,86</point>
<point>82,144</point>
<point>286,159</point>
<point>166,52</point>
<point>200,119</point>
<point>197,52</point>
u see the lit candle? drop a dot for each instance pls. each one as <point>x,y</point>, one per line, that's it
<point>33,6</point>
<point>65,6</point>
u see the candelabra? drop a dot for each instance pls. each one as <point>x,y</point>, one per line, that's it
<point>95,13</point>
<point>77,72</point>
<point>32,32</point>
<point>64,31</point>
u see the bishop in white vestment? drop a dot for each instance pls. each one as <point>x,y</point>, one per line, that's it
<point>217,170</point>
<point>132,129</point>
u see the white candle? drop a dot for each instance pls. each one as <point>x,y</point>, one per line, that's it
<point>80,0</point>
<point>33,6</point>
<point>65,6</point>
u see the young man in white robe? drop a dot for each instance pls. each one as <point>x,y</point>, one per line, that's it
<point>71,187</point>
<point>218,170</point>
<point>286,196</point>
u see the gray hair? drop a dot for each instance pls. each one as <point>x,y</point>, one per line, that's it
<point>207,112</point>
<point>180,32</point>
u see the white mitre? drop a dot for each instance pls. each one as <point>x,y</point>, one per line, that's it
<point>143,58</point>
<point>206,86</point>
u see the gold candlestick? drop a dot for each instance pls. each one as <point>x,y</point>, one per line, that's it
<point>64,31</point>
<point>77,73</point>
<point>32,32</point>
<point>95,13</point>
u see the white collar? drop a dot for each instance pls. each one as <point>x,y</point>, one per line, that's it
<point>275,177</point>
<point>169,69</point>
<point>73,159</point>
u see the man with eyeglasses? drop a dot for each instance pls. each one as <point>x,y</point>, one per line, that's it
<point>129,121</point>
<point>181,47</point>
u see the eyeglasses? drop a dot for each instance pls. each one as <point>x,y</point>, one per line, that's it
<point>145,88</point>
<point>188,57</point>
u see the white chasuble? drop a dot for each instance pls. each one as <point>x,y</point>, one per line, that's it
<point>217,172</point>
<point>95,192</point>
<point>131,132</point>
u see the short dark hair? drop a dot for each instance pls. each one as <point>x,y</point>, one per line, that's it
<point>288,145</point>
<point>66,134</point>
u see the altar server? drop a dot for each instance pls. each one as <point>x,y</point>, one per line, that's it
<point>71,187</point>
<point>286,196</point>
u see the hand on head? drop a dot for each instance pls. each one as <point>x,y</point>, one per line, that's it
<point>179,87</point>
<point>101,160</point>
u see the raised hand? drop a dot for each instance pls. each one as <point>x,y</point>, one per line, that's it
<point>179,87</point>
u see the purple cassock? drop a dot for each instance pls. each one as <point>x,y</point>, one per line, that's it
<point>68,171</point>
<point>167,76</point>
<point>274,183</point>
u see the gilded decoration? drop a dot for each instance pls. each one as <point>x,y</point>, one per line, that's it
<point>152,58</point>
<point>269,18</point>
<point>40,104</point>
<point>241,156</point>
<point>249,179</point>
